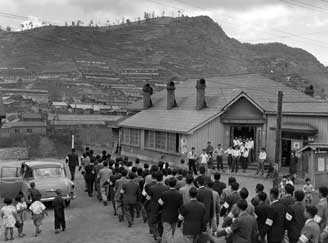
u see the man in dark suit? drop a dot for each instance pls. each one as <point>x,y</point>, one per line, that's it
<point>295,218</point>
<point>231,199</point>
<point>130,193</point>
<point>171,201</point>
<point>193,215</point>
<point>262,211</point>
<point>244,228</point>
<point>155,193</point>
<point>218,185</point>
<point>288,198</point>
<point>202,175</point>
<point>205,196</point>
<point>274,223</point>
<point>72,160</point>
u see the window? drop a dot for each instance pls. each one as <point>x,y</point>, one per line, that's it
<point>9,172</point>
<point>131,136</point>
<point>29,130</point>
<point>16,130</point>
<point>149,139</point>
<point>48,172</point>
<point>162,141</point>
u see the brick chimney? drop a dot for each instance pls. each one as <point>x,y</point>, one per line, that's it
<point>171,102</point>
<point>200,95</point>
<point>147,91</point>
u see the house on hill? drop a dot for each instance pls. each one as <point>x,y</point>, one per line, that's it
<point>173,121</point>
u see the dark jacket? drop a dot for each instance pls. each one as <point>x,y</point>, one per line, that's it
<point>262,212</point>
<point>171,202</point>
<point>206,179</point>
<point>293,165</point>
<point>193,213</point>
<point>274,224</point>
<point>231,199</point>
<point>295,220</point>
<point>218,186</point>
<point>155,192</point>
<point>73,160</point>
<point>59,207</point>
<point>205,196</point>
<point>243,229</point>
<point>130,192</point>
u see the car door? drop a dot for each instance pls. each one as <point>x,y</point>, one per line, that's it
<point>10,181</point>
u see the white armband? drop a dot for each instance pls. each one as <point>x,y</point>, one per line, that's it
<point>148,197</point>
<point>268,222</point>
<point>228,230</point>
<point>122,191</point>
<point>144,193</point>
<point>226,205</point>
<point>289,217</point>
<point>317,219</point>
<point>160,202</point>
<point>303,239</point>
<point>180,217</point>
<point>230,215</point>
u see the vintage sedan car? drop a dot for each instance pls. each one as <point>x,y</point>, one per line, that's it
<point>47,174</point>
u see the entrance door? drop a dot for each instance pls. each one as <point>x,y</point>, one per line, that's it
<point>243,132</point>
<point>286,150</point>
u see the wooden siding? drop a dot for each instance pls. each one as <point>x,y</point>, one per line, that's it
<point>242,110</point>
<point>320,123</point>
<point>213,131</point>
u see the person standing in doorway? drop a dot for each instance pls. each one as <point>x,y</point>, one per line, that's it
<point>262,159</point>
<point>293,166</point>
<point>229,153</point>
<point>218,154</point>
<point>244,159</point>
<point>192,158</point>
<point>251,150</point>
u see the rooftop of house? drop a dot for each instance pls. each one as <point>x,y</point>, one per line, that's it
<point>220,93</point>
<point>19,124</point>
<point>82,117</point>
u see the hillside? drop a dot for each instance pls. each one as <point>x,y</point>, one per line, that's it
<point>181,47</point>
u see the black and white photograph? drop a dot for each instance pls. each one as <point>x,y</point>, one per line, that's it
<point>152,121</point>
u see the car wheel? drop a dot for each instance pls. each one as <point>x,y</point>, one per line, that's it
<point>67,203</point>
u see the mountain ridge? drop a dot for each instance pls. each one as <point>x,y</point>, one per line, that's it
<point>186,47</point>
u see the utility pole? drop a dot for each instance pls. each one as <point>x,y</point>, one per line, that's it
<point>278,139</point>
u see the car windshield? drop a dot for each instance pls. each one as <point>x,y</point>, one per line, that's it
<point>48,172</point>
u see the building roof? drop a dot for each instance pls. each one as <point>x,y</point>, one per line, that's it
<point>182,121</point>
<point>82,117</point>
<point>24,124</point>
<point>28,115</point>
<point>220,92</point>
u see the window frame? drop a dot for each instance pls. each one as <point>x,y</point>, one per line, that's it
<point>175,139</point>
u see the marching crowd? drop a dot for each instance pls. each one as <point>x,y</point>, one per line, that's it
<point>202,205</point>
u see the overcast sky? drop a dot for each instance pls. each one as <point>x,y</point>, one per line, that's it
<point>298,23</point>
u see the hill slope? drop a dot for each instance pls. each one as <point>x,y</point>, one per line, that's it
<point>183,47</point>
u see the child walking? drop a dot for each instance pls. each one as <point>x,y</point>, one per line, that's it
<point>21,208</point>
<point>308,190</point>
<point>38,211</point>
<point>9,217</point>
<point>59,206</point>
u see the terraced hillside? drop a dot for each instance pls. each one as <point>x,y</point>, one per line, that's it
<point>179,47</point>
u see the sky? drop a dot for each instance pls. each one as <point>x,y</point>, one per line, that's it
<point>297,23</point>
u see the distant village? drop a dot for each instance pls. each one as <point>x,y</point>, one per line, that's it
<point>94,97</point>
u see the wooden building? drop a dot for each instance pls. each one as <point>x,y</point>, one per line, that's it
<point>217,110</point>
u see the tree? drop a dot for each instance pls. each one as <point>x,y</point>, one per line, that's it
<point>66,24</point>
<point>78,23</point>
<point>73,23</point>
<point>123,20</point>
<point>139,20</point>
<point>146,16</point>
<point>153,15</point>
<point>91,23</point>
<point>128,21</point>
<point>8,28</point>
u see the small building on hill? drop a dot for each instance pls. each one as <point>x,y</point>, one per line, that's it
<point>217,110</point>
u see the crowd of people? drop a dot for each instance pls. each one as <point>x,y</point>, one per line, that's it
<point>167,198</point>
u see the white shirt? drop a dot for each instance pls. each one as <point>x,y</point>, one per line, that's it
<point>263,155</point>
<point>236,153</point>
<point>251,144</point>
<point>192,155</point>
<point>203,158</point>
<point>37,207</point>
<point>245,154</point>
<point>229,151</point>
